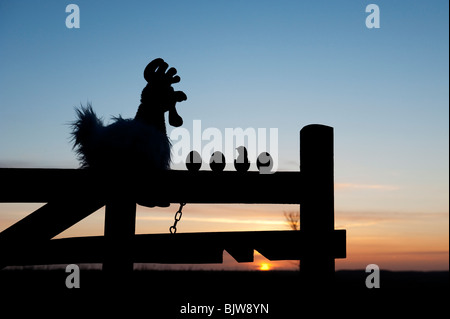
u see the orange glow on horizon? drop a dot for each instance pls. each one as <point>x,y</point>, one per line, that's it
<point>396,241</point>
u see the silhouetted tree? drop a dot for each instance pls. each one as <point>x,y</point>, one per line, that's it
<point>293,221</point>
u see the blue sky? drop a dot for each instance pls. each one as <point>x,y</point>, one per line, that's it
<point>261,64</point>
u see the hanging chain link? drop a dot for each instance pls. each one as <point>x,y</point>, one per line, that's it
<point>178,214</point>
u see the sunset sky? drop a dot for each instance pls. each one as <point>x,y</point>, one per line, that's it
<point>253,64</point>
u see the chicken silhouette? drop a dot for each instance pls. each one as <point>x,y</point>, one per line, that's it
<point>242,164</point>
<point>217,162</point>
<point>264,163</point>
<point>139,143</point>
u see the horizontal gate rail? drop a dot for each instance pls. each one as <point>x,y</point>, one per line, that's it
<point>187,248</point>
<point>174,186</point>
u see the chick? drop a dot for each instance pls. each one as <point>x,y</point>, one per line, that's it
<point>264,163</point>
<point>217,162</point>
<point>242,164</point>
<point>193,161</point>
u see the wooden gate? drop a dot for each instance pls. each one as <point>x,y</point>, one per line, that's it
<point>73,194</point>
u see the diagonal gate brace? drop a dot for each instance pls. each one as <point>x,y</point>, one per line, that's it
<point>43,224</point>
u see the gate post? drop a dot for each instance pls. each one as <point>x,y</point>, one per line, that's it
<point>120,225</point>
<point>317,203</point>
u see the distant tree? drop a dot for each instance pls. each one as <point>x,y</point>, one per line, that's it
<point>293,221</point>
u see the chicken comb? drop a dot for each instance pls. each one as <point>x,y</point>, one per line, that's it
<point>155,73</point>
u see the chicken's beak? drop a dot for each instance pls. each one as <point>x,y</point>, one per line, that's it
<point>174,119</point>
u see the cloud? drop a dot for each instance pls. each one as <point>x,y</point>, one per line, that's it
<point>342,186</point>
<point>16,164</point>
<point>222,220</point>
<point>361,219</point>
<point>418,252</point>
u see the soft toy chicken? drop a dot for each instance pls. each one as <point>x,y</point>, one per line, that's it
<point>136,143</point>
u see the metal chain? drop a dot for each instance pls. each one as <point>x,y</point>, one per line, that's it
<point>178,214</point>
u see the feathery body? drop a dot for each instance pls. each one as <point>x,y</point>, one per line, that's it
<point>124,143</point>
<point>139,143</point>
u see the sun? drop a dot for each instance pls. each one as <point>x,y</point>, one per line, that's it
<point>264,267</point>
